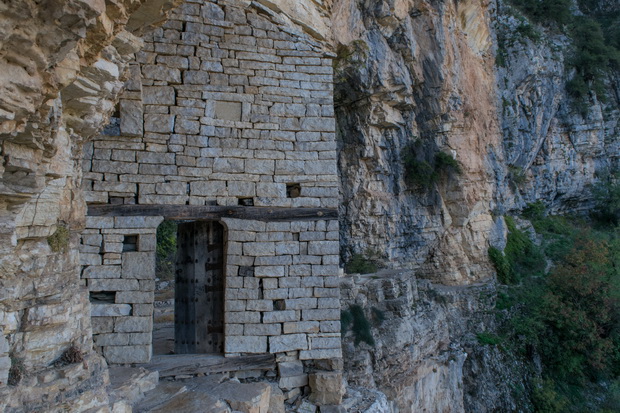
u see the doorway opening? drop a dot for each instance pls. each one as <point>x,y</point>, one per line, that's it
<point>199,288</point>
<point>188,316</point>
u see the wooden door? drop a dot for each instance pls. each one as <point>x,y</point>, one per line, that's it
<point>199,292</point>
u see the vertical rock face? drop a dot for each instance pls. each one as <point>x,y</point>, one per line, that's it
<point>61,67</point>
<point>553,151</point>
<point>423,352</point>
<point>412,71</point>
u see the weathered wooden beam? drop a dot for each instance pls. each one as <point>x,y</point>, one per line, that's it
<point>190,364</point>
<point>196,212</point>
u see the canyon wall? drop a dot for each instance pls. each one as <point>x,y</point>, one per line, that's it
<point>410,75</point>
<point>62,66</point>
<point>553,149</point>
<point>416,74</point>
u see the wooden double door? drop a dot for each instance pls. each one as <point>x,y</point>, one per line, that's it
<point>199,288</point>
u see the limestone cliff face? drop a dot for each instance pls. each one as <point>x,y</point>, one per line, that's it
<point>425,355</point>
<point>62,65</point>
<point>407,71</point>
<point>553,152</point>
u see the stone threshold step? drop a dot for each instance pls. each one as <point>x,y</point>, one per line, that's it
<point>191,364</point>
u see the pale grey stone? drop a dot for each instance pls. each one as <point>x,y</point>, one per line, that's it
<point>246,344</point>
<point>288,342</point>
<point>109,310</point>
<point>280,316</point>
<point>302,327</point>
<point>139,265</point>
<point>127,354</point>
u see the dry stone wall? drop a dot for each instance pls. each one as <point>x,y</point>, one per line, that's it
<point>62,65</point>
<point>225,106</point>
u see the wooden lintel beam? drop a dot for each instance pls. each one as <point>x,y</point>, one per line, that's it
<point>196,212</point>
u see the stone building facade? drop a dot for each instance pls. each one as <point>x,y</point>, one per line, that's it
<point>227,120</point>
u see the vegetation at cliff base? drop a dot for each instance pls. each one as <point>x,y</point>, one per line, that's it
<point>567,315</point>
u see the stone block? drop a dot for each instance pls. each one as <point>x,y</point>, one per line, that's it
<point>262,329</point>
<point>291,382</point>
<point>159,123</point>
<point>133,325</point>
<point>186,126</point>
<point>327,388</point>
<point>320,354</point>
<point>301,303</point>
<point>259,248</point>
<point>288,342</point>
<point>137,222</point>
<point>259,305</point>
<point>244,225</point>
<point>135,297</point>
<point>276,400</point>
<point>102,271</point>
<point>269,271</point>
<point>246,397</point>
<point>261,167</point>
<point>320,314</point>
<point>280,316</point>
<point>132,123</point>
<point>195,77</point>
<point>287,248</point>
<point>243,317</point>
<point>208,188</point>
<point>246,344</point>
<point>229,165</point>
<point>241,189</point>
<point>109,310</point>
<point>138,265</point>
<point>158,95</point>
<point>323,247</point>
<point>127,354</point>
<point>156,158</point>
<point>301,327</point>
<point>102,325</point>
<point>161,72</point>
<point>104,284</point>
<point>329,302</point>
<point>327,292</point>
<point>324,343</point>
<point>228,111</point>
<point>274,260</point>
<point>122,339</point>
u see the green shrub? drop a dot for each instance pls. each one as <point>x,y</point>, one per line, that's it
<point>502,266</point>
<point>445,163</point>
<point>16,371</point>
<point>535,210</point>
<point>488,339</point>
<point>165,255</point>
<point>516,175</point>
<point>346,320</point>
<point>59,240</point>
<point>525,258</point>
<point>361,326</point>
<point>423,168</point>
<point>546,11</point>
<point>606,195</point>
<point>360,264</point>
<point>546,399</point>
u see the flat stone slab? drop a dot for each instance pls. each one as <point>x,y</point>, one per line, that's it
<point>191,364</point>
<point>207,394</point>
<point>131,383</point>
